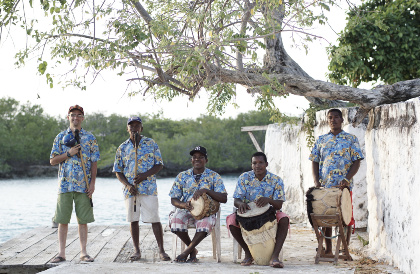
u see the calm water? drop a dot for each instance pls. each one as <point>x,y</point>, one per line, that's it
<point>30,203</point>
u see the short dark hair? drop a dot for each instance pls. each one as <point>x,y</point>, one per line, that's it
<point>259,154</point>
<point>336,110</point>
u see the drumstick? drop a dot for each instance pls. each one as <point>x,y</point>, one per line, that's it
<point>135,166</point>
<point>77,137</point>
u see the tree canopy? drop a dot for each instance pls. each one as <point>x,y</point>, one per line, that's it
<point>380,42</point>
<point>27,135</point>
<point>174,48</point>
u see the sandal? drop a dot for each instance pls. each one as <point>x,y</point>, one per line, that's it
<point>58,259</point>
<point>164,257</point>
<point>247,261</point>
<point>180,260</point>
<point>276,264</point>
<point>87,259</point>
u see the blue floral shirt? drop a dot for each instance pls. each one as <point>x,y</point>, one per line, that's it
<point>185,185</point>
<point>249,188</point>
<point>148,155</point>
<point>70,172</point>
<point>335,155</point>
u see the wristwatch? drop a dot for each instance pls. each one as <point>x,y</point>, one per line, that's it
<point>68,154</point>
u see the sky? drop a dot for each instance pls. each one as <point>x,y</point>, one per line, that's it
<point>108,94</point>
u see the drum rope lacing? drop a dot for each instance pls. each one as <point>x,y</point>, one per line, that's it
<point>325,204</point>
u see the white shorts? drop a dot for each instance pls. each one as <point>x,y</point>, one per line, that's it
<point>147,206</point>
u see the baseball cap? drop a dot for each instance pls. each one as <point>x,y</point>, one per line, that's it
<point>76,107</point>
<point>200,149</point>
<point>134,118</point>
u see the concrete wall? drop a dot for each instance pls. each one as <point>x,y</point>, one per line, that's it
<point>387,187</point>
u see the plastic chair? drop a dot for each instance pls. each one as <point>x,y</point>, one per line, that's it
<point>215,237</point>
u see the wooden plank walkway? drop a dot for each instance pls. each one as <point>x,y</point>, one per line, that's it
<point>107,244</point>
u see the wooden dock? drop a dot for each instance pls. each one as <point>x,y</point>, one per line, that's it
<point>36,248</point>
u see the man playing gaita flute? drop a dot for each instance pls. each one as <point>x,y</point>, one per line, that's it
<point>72,181</point>
<point>192,184</point>
<point>140,190</point>
<point>261,187</point>
<point>335,160</point>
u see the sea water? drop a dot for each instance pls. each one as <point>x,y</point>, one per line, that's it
<point>29,203</point>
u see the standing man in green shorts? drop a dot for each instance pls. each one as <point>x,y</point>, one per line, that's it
<point>77,164</point>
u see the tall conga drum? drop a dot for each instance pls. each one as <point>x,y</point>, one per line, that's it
<point>204,206</point>
<point>329,201</point>
<point>259,228</point>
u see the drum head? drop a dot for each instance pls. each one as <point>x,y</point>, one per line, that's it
<point>198,206</point>
<point>254,211</point>
<point>346,209</point>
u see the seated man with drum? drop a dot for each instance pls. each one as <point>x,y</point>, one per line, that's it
<point>196,184</point>
<point>335,160</point>
<point>258,225</point>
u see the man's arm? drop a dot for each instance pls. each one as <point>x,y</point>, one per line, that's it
<point>177,203</point>
<point>62,157</point>
<point>143,176</point>
<point>218,196</point>
<point>131,188</point>
<point>315,173</point>
<point>352,171</point>
<point>277,204</point>
<point>93,172</point>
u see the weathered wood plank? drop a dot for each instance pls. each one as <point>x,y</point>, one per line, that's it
<point>254,128</point>
<point>51,251</point>
<point>254,141</point>
<point>95,245</point>
<point>73,249</point>
<point>19,239</point>
<point>114,246</point>
<point>20,246</point>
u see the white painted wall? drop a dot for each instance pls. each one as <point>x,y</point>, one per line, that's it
<point>386,195</point>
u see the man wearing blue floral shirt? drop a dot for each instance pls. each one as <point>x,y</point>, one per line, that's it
<point>72,183</point>
<point>138,175</point>
<point>262,187</point>
<point>191,184</point>
<point>335,160</point>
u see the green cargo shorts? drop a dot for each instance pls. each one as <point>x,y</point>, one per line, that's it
<point>84,210</point>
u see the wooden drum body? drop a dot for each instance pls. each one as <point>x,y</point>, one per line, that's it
<point>329,201</point>
<point>204,206</point>
<point>259,228</point>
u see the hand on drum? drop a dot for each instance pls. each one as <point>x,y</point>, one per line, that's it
<point>262,201</point>
<point>188,206</point>
<point>242,208</point>
<point>198,193</point>
<point>344,183</point>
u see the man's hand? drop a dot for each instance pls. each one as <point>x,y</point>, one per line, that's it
<point>198,193</point>
<point>139,178</point>
<point>132,189</point>
<point>262,201</point>
<point>187,206</point>
<point>91,190</point>
<point>242,208</point>
<point>74,150</point>
<point>317,184</point>
<point>344,183</point>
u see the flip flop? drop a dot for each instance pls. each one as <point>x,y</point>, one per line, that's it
<point>276,264</point>
<point>192,260</point>
<point>180,260</point>
<point>87,259</point>
<point>135,257</point>
<point>58,259</point>
<point>247,261</point>
<point>164,257</point>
